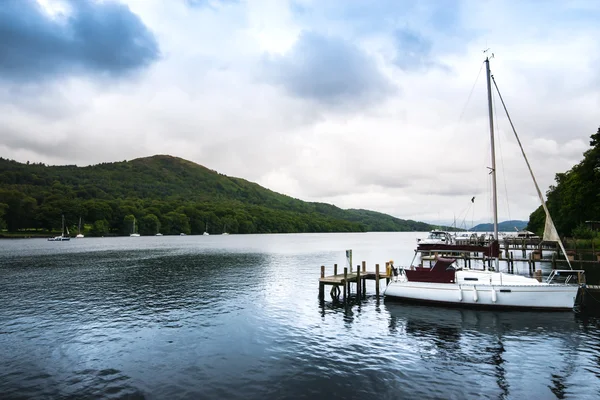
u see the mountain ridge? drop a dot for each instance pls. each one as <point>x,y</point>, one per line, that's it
<point>170,194</point>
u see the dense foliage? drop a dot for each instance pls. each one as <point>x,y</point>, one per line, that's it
<point>168,195</point>
<point>575,198</point>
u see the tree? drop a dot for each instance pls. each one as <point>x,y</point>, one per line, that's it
<point>99,228</point>
<point>149,225</point>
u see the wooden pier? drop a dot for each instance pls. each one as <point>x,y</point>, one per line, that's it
<point>346,278</point>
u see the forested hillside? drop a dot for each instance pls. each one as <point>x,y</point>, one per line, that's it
<point>575,198</point>
<point>165,194</point>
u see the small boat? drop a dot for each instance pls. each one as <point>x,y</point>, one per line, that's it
<point>79,234</point>
<point>133,232</point>
<point>206,230</point>
<point>225,230</point>
<point>62,237</point>
<point>437,236</point>
<point>447,283</point>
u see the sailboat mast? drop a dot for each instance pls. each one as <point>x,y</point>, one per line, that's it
<point>491,115</point>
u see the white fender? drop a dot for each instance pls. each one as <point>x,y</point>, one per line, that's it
<point>493,295</point>
<point>459,294</point>
<point>475,298</point>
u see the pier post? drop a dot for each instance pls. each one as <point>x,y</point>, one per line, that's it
<point>364,281</point>
<point>554,260</point>
<point>345,282</point>
<point>377,280</point>
<point>334,269</point>
<point>358,289</point>
<point>321,284</point>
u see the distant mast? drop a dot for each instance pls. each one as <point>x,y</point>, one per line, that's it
<point>493,169</point>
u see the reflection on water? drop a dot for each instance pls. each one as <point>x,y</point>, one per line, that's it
<point>239,317</point>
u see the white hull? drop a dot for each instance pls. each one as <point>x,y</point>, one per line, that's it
<point>59,239</point>
<point>540,296</point>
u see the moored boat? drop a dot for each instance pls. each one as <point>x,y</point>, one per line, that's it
<point>446,283</point>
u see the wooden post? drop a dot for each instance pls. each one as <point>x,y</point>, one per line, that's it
<point>364,281</point>
<point>553,260</point>
<point>322,271</point>
<point>334,269</point>
<point>377,280</point>
<point>345,282</point>
<point>358,291</point>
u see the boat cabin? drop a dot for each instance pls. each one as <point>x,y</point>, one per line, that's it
<point>443,271</point>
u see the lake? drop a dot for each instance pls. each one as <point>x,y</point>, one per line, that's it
<point>238,317</point>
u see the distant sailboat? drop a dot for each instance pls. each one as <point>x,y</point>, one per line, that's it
<point>133,232</point>
<point>157,230</point>
<point>79,234</point>
<point>225,230</point>
<point>206,230</point>
<point>62,237</point>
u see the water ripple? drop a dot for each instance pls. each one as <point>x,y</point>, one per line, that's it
<point>238,317</point>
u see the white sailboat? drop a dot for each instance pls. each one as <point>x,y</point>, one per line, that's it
<point>446,283</point>
<point>206,230</point>
<point>62,237</point>
<point>79,234</point>
<point>225,230</point>
<point>133,232</point>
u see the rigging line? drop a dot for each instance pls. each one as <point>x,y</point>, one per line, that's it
<point>501,156</point>
<point>537,188</point>
<point>468,99</point>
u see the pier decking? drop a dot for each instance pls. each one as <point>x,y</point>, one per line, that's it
<point>359,277</point>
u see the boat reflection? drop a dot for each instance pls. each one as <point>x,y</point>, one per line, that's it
<point>489,339</point>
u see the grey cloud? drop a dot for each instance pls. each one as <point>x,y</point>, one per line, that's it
<point>100,37</point>
<point>330,71</point>
<point>414,51</point>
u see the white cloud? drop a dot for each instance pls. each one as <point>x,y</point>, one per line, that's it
<point>335,114</point>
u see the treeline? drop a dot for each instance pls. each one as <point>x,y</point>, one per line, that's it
<point>575,199</point>
<point>164,194</point>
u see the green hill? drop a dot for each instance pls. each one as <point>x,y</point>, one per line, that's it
<point>166,194</point>
<point>505,226</point>
<point>574,200</point>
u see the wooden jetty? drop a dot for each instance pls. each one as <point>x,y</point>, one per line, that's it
<point>358,277</point>
<point>341,281</point>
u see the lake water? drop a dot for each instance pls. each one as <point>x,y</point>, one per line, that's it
<point>238,317</point>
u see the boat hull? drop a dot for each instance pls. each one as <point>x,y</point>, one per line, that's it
<point>544,296</point>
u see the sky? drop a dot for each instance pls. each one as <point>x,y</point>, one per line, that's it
<point>378,105</point>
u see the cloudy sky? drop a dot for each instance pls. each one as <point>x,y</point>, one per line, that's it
<point>364,104</point>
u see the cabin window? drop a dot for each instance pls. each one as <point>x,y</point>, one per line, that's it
<point>471,279</point>
<point>505,290</point>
